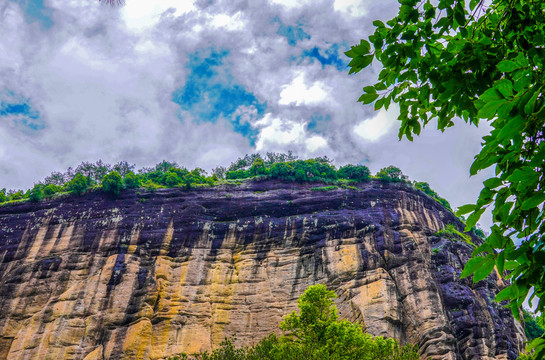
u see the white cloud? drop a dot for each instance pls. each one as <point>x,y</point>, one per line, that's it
<point>353,8</point>
<point>315,143</point>
<point>140,15</point>
<point>375,128</point>
<point>292,4</point>
<point>227,22</point>
<point>278,134</point>
<point>298,93</point>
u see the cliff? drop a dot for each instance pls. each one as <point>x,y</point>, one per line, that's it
<point>146,275</point>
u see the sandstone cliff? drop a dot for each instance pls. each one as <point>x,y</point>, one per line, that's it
<point>147,275</point>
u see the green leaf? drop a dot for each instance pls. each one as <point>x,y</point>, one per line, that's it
<point>509,292</point>
<point>512,128</point>
<point>378,24</point>
<point>362,48</point>
<point>521,60</point>
<point>539,342</point>
<point>529,107</point>
<point>473,3</point>
<point>368,98</point>
<point>508,66</point>
<point>492,183</point>
<point>471,266</point>
<point>505,87</point>
<point>533,201</point>
<point>488,111</point>
<point>484,270</point>
<point>379,103</point>
<point>473,218</point>
<point>500,262</point>
<point>491,94</point>
<point>370,90</point>
<point>464,209</point>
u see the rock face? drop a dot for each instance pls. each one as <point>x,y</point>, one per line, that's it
<point>147,275</point>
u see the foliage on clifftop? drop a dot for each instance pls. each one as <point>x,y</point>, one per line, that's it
<point>314,333</point>
<point>113,179</point>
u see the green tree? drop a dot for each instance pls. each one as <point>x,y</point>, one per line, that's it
<point>131,180</point>
<point>391,174</point>
<point>532,328</point>
<point>477,61</point>
<point>315,333</point>
<point>78,184</point>
<point>258,168</point>
<point>16,195</point>
<point>112,183</point>
<point>3,197</point>
<point>354,172</point>
<point>171,179</point>
<point>36,193</point>
<point>50,189</point>
<point>425,187</point>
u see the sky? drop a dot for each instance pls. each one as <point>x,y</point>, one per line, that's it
<point>203,83</point>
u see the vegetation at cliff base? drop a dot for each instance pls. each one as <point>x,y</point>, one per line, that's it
<point>314,333</point>
<point>477,60</point>
<point>533,325</point>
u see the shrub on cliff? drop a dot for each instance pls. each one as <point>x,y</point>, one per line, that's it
<point>131,181</point>
<point>78,184</point>
<point>36,193</point>
<point>354,172</point>
<point>112,183</point>
<point>315,333</point>
<point>50,189</point>
<point>391,174</point>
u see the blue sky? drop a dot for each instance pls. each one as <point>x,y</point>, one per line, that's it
<point>202,83</point>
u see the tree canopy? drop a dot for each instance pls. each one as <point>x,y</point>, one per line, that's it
<point>314,333</point>
<point>456,59</point>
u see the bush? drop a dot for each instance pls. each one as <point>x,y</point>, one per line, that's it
<point>78,184</point>
<point>450,232</point>
<point>50,189</point>
<point>36,193</point>
<point>17,195</point>
<point>131,181</point>
<point>282,171</point>
<point>3,197</point>
<point>391,174</point>
<point>316,333</point>
<point>171,179</point>
<point>532,328</point>
<point>354,172</point>
<point>426,189</point>
<point>112,183</point>
<point>236,174</point>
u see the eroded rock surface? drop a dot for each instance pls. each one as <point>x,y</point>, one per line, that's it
<point>148,275</point>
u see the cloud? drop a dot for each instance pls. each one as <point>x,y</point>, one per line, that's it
<point>298,93</point>
<point>202,83</point>
<point>140,16</point>
<point>373,129</point>
<point>277,134</point>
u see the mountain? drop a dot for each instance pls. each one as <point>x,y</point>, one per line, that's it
<point>145,275</point>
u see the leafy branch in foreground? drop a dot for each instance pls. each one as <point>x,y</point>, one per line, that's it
<point>475,62</point>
